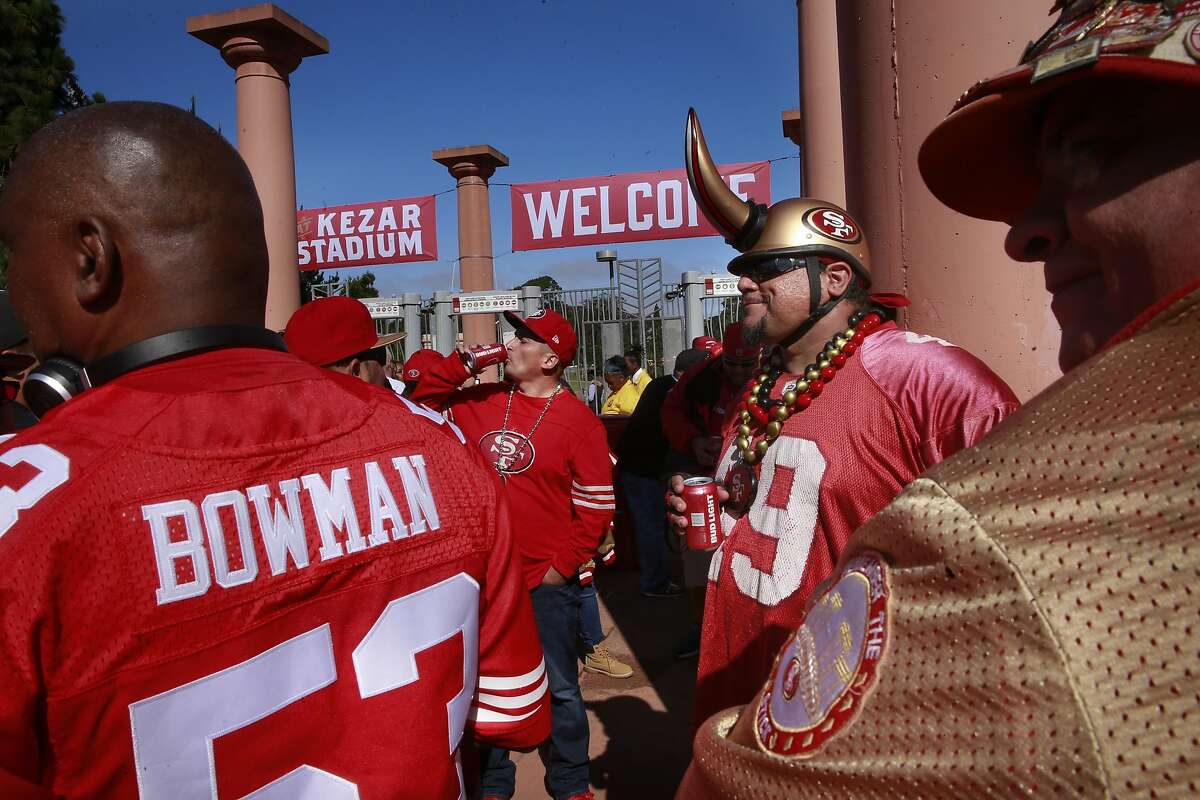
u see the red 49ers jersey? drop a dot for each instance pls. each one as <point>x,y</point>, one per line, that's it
<point>236,574</point>
<point>554,458</point>
<point>903,403</point>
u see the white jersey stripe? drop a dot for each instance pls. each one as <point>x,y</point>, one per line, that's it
<point>517,682</point>
<point>517,701</point>
<point>596,496</point>
<point>485,715</point>
<point>586,504</point>
<point>600,488</point>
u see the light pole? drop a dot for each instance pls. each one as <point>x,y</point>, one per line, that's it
<point>610,256</point>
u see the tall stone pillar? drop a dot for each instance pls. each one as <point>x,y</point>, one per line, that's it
<point>264,45</point>
<point>793,128</point>
<point>903,65</point>
<point>471,167</point>
<point>820,119</point>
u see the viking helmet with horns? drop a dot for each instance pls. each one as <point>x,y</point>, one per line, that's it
<point>796,231</point>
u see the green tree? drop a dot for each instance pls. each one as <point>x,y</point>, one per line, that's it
<point>547,283</point>
<point>362,286</point>
<point>37,79</point>
<point>309,279</point>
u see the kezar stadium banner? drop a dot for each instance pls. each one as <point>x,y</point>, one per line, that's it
<point>385,232</point>
<point>632,207</point>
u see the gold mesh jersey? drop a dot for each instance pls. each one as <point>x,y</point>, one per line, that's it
<point>1044,606</point>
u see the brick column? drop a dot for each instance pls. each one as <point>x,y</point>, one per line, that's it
<point>471,167</point>
<point>820,121</point>
<point>903,65</point>
<point>264,45</point>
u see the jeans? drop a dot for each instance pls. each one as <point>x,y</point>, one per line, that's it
<point>590,630</point>
<point>565,753</point>
<point>649,512</point>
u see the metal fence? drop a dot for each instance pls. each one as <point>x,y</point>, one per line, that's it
<point>605,327</point>
<point>608,321</point>
<point>719,312</point>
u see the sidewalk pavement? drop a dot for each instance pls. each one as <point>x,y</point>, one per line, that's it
<point>640,727</point>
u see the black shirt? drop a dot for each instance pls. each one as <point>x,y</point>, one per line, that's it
<point>643,447</point>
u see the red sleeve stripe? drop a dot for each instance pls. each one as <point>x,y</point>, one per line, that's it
<point>522,682</point>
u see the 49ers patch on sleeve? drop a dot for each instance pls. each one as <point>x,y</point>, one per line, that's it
<point>823,675</point>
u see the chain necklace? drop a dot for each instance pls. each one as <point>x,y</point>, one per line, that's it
<point>758,410</point>
<point>504,425</point>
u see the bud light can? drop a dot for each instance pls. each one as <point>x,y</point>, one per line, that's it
<point>703,514</point>
<point>482,356</point>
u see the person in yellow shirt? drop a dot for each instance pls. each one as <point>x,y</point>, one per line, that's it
<point>638,376</point>
<point>623,393</point>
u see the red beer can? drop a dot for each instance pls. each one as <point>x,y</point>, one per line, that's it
<point>482,356</point>
<point>703,514</point>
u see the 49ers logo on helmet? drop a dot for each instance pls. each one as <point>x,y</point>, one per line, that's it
<point>834,224</point>
<point>509,452</point>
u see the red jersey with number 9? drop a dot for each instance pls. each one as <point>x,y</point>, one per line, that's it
<point>901,404</point>
<point>238,575</point>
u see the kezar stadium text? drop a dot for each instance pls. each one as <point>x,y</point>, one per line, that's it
<point>364,234</point>
<point>195,545</point>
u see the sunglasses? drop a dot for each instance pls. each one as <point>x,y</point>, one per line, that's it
<point>770,268</point>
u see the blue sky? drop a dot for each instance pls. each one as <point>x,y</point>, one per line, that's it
<point>564,88</point>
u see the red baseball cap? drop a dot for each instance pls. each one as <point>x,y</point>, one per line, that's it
<point>980,159</point>
<point>708,344</point>
<point>419,362</point>
<point>551,328</point>
<point>331,329</point>
<point>734,347</point>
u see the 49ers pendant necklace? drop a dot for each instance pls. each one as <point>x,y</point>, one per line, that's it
<point>760,419</point>
<point>529,437</point>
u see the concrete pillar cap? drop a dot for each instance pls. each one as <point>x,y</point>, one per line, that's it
<point>477,159</point>
<point>263,32</point>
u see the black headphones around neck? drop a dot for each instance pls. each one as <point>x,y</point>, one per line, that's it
<point>57,379</point>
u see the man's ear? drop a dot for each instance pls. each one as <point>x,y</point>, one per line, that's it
<point>549,360</point>
<point>98,273</point>
<point>837,277</point>
<point>355,368</point>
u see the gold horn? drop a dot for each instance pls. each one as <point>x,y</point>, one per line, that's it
<point>728,213</point>
<point>724,209</point>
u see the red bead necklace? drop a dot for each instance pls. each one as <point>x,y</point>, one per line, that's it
<point>761,418</point>
<point>758,411</point>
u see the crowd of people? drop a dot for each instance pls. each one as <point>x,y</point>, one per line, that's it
<point>244,563</point>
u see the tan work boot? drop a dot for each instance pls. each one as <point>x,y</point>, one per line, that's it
<point>602,662</point>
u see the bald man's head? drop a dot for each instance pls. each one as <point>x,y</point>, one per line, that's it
<point>126,220</point>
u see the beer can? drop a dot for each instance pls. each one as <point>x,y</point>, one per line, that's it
<point>703,514</point>
<point>482,356</point>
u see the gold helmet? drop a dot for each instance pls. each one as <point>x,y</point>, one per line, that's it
<point>791,233</point>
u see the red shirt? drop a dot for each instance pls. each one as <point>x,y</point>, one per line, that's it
<point>559,481</point>
<point>698,405</point>
<point>901,404</point>
<point>236,570</point>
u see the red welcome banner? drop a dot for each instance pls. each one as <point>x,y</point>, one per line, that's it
<point>384,232</point>
<point>632,207</point>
